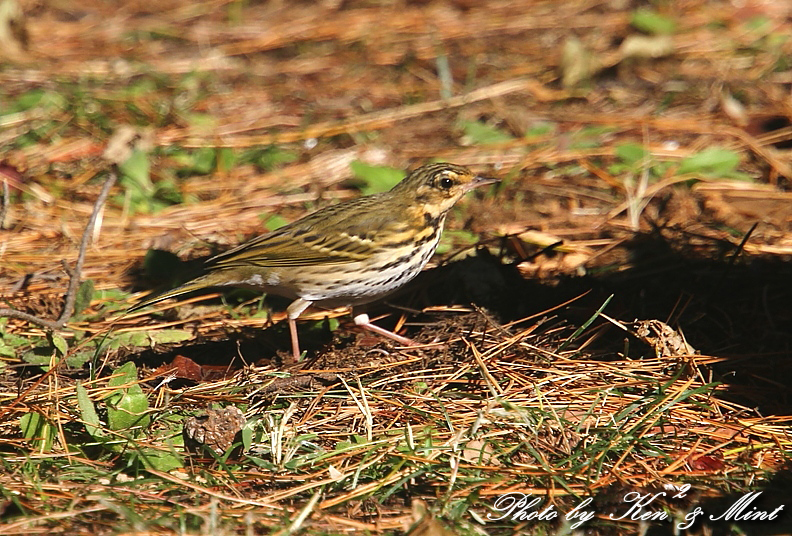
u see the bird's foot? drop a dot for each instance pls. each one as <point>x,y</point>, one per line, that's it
<point>363,321</point>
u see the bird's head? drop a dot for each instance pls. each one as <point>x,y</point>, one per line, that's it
<point>437,187</point>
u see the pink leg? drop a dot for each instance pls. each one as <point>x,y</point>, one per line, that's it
<point>293,311</point>
<point>363,321</point>
<point>294,340</point>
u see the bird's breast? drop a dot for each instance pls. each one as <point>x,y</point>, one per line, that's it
<point>388,269</point>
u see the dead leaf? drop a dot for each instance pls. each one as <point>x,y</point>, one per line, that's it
<point>217,429</point>
<point>14,37</point>
<point>577,63</point>
<point>479,452</point>
<point>642,46</point>
<point>663,338</point>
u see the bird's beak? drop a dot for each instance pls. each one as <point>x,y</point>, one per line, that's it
<point>479,180</point>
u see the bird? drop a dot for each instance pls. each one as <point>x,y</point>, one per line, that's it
<point>344,255</point>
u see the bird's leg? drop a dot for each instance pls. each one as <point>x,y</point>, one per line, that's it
<point>362,320</point>
<point>295,342</point>
<point>293,311</point>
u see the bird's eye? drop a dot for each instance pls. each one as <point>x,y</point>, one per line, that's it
<point>445,183</point>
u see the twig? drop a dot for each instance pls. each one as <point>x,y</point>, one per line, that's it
<point>74,275</point>
<point>5,203</point>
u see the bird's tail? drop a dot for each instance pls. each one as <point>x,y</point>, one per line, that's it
<point>199,283</point>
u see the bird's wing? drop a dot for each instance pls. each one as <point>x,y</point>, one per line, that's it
<point>330,236</point>
<point>290,250</point>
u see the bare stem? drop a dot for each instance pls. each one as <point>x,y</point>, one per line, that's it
<point>74,275</point>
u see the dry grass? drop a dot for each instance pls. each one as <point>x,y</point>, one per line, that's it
<point>258,110</point>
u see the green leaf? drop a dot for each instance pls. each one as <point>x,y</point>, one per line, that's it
<point>165,336</point>
<point>651,22</point>
<point>80,358</point>
<point>40,355</point>
<point>38,430</point>
<point>126,407</point>
<point>377,178</point>
<point>444,246</point>
<point>59,343</point>
<point>30,424</point>
<point>322,326</point>
<point>712,162</point>
<point>247,436</point>
<point>112,294</point>
<point>28,100</point>
<point>478,133</point>
<point>140,87</point>
<point>201,122</point>
<point>38,98</point>
<point>124,374</point>
<point>274,221</point>
<point>226,159</point>
<point>9,339</point>
<point>633,154</point>
<point>129,339</point>
<point>590,137</point>
<point>88,413</point>
<point>462,236</point>
<point>272,157</point>
<point>160,460</point>
<point>6,350</point>
<point>203,160</point>
<point>761,24</point>
<point>133,339</point>
<point>540,129</point>
<point>136,171</point>
<point>167,193</point>
<point>84,296</point>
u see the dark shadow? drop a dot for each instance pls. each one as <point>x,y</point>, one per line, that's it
<point>741,311</point>
<point>776,493</point>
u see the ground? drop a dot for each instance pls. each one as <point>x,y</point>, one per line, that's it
<point>611,320</point>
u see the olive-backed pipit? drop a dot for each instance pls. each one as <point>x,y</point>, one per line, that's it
<point>347,254</point>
